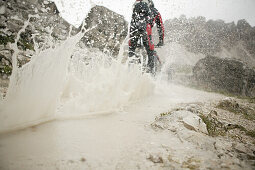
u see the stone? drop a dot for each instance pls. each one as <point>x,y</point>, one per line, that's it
<point>155,159</point>
<point>185,118</point>
<point>240,148</point>
<point>110,30</point>
<point>193,122</point>
<point>2,10</point>
<point>225,75</point>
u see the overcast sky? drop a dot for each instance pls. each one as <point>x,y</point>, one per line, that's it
<point>74,11</point>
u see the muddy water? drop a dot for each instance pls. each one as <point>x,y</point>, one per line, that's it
<point>114,140</point>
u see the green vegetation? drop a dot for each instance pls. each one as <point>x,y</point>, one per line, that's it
<point>24,41</point>
<point>164,114</point>
<point>170,112</point>
<point>236,108</point>
<point>249,116</point>
<point>217,128</point>
<point>214,127</point>
<point>250,133</point>
<point>24,44</point>
<point>5,65</point>
<point>4,38</point>
<point>191,163</point>
<point>6,70</point>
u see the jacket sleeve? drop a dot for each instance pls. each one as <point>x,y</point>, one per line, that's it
<point>160,27</point>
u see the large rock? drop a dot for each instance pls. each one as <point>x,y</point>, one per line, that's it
<point>47,27</point>
<point>181,119</point>
<point>110,30</point>
<point>18,11</point>
<point>225,75</point>
<point>44,23</point>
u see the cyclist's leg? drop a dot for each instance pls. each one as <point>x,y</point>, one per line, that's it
<point>133,43</point>
<point>149,46</point>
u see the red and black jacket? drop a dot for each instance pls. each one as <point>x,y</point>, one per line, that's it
<point>143,14</point>
<point>156,18</point>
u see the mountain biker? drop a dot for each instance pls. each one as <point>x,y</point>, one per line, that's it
<point>144,16</point>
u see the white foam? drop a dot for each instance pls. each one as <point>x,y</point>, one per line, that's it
<point>35,88</point>
<point>103,85</point>
<point>92,83</point>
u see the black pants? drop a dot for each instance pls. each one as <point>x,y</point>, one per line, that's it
<point>146,35</point>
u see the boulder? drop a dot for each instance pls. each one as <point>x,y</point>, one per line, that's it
<point>177,120</point>
<point>110,30</point>
<point>225,75</point>
<point>193,122</point>
<point>47,26</point>
<point>2,10</point>
<point>13,15</point>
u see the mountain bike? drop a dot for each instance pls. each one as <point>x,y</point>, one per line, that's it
<point>140,58</point>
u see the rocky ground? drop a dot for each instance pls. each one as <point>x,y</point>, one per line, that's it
<point>224,129</point>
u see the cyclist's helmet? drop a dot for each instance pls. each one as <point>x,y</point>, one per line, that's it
<point>151,4</point>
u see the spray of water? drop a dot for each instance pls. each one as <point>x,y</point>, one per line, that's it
<point>66,82</point>
<point>34,89</point>
<point>103,85</point>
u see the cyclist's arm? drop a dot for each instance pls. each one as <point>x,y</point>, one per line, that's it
<point>160,28</point>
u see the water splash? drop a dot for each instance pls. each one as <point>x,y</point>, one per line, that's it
<point>102,85</point>
<point>66,82</point>
<point>35,88</point>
